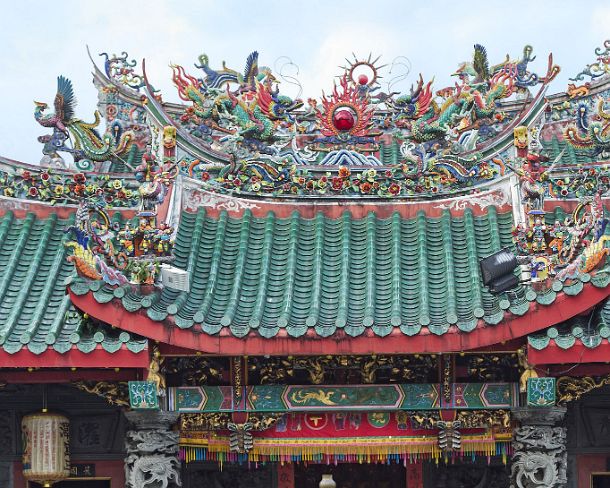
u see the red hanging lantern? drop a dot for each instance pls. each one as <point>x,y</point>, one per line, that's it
<point>46,448</point>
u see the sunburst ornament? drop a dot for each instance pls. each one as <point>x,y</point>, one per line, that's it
<point>345,113</point>
<point>363,72</point>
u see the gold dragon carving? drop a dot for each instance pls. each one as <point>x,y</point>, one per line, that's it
<point>570,388</point>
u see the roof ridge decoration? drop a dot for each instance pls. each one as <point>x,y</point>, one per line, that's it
<point>556,250</point>
<point>433,138</point>
<point>101,250</point>
<point>126,134</point>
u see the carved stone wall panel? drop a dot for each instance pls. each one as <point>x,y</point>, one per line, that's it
<point>90,434</point>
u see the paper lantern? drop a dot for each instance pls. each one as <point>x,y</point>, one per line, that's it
<point>46,448</point>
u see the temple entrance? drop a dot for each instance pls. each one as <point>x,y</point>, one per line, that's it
<point>466,475</point>
<point>348,475</point>
<point>199,474</point>
<point>600,480</point>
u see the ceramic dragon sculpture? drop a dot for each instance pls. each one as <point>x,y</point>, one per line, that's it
<point>87,144</point>
<point>253,112</point>
<point>471,103</point>
<point>464,107</point>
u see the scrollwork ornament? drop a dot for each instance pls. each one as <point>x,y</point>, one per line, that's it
<point>599,68</point>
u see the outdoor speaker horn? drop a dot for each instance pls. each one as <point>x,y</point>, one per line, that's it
<point>497,265</point>
<point>504,283</point>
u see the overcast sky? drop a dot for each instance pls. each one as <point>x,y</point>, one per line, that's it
<point>42,39</point>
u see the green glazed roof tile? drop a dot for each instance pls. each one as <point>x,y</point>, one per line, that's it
<point>319,275</point>
<point>35,311</point>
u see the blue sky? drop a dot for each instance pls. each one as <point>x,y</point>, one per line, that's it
<point>40,40</point>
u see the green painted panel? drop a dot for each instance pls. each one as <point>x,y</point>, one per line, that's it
<point>541,392</point>
<point>143,395</point>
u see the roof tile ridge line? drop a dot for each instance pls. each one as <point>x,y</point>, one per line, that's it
<point>496,245</point>
<point>369,309</point>
<point>264,275</point>
<point>6,225</point>
<point>190,265</point>
<point>451,314</point>
<point>341,320</point>
<point>242,252</point>
<point>422,254</point>
<point>396,319</point>
<point>49,285</point>
<point>284,317</point>
<point>32,272</point>
<point>316,285</point>
<point>216,256</point>
<point>51,337</point>
<point>492,220</point>
<point>16,252</point>
<point>477,299</point>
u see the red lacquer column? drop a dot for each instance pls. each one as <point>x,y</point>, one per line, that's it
<point>285,475</point>
<point>415,475</point>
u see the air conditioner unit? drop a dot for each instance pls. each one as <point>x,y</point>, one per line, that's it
<point>174,278</point>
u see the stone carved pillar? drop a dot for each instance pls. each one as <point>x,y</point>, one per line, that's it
<point>540,457</point>
<point>152,450</point>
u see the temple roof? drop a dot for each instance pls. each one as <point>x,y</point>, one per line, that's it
<point>324,277</point>
<point>35,312</point>
<point>355,224</point>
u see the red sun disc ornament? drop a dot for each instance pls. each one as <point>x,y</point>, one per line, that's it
<point>343,120</point>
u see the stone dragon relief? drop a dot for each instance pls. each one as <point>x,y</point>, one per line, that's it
<point>540,458</point>
<point>152,451</point>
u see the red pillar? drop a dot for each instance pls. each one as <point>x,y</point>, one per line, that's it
<point>415,475</point>
<point>285,475</point>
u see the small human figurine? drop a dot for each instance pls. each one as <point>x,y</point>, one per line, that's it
<point>154,372</point>
<point>520,238</point>
<point>531,177</point>
<point>538,236</point>
<point>558,233</point>
<point>126,237</point>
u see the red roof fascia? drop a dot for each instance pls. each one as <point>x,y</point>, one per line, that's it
<point>578,353</point>
<point>64,375</point>
<point>21,208</point>
<point>539,317</point>
<point>98,358</point>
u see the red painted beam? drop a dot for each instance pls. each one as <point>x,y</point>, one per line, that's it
<point>98,358</point>
<point>539,317</point>
<point>64,376</point>
<point>578,353</point>
<point>577,370</point>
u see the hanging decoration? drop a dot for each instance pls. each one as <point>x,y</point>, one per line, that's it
<point>342,437</point>
<point>46,448</point>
